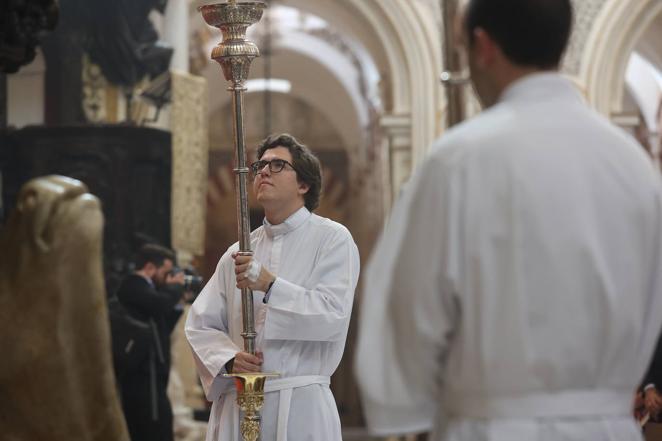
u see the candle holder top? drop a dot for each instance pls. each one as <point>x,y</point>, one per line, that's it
<point>232,14</point>
<point>235,53</point>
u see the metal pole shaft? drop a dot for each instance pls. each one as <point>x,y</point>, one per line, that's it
<point>267,75</point>
<point>235,55</point>
<point>243,215</point>
<point>454,76</point>
<point>241,172</point>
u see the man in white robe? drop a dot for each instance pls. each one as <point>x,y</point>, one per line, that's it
<point>515,292</point>
<point>308,266</point>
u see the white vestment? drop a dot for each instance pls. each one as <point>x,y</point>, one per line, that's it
<point>515,292</point>
<point>301,330</point>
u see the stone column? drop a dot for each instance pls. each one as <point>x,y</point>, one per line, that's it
<point>190,151</point>
<point>398,153</point>
<point>175,32</point>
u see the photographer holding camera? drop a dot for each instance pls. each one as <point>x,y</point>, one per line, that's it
<point>153,294</point>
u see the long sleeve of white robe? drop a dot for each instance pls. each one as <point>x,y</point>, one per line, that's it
<point>405,331</point>
<point>301,330</point>
<point>518,281</point>
<point>207,331</point>
<point>321,312</point>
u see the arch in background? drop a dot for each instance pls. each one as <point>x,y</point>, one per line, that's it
<point>401,37</point>
<point>618,28</point>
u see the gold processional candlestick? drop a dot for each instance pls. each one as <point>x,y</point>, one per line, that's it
<point>235,55</point>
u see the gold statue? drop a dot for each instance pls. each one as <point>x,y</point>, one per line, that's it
<point>56,376</point>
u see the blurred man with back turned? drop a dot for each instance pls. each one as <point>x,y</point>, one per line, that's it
<point>515,292</point>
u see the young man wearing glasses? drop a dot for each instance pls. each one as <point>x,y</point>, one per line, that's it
<point>303,274</point>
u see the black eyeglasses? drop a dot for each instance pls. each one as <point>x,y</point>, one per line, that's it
<point>276,165</point>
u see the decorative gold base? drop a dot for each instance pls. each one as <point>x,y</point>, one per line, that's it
<point>250,398</point>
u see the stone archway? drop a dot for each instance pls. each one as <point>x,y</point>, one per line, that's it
<point>612,39</point>
<point>402,35</point>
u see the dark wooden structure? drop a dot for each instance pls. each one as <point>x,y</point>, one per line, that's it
<point>128,168</point>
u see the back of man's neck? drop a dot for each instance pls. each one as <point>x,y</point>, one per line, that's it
<point>517,73</point>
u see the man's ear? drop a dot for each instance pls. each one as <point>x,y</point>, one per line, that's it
<point>484,48</point>
<point>303,187</point>
<point>149,268</point>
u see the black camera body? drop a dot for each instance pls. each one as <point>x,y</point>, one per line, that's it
<point>192,281</point>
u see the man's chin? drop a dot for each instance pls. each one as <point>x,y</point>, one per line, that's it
<point>262,196</point>
<point>267,202</point>
<point>262,200</point>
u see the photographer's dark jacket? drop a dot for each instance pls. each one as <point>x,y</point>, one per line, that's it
<point>143,388</point>
<point>155,307</point>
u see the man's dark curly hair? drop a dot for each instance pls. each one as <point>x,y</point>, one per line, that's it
<point>153,253</point>
<point>305,163</point>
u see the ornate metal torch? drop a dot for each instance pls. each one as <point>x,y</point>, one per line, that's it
<point>235,55</point>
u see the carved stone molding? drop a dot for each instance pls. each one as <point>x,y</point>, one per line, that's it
<point>190,147</point>
<point>405,34</point>
<point>585,13</point>
<point>94,92</point>
<point>397,134</point>
<point>608,48</point>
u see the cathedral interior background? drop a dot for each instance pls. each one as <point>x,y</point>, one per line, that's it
<point>138,111</point>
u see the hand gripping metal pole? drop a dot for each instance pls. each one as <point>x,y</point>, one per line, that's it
<point>235,55</point>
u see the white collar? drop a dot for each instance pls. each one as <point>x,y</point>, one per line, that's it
<point>293,222</point>
<point>540,87</point>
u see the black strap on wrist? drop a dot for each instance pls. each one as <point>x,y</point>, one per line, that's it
<point>266,293</point>
<point>229,365</point>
